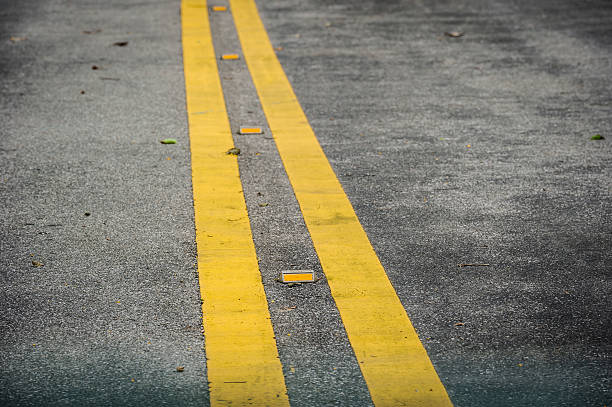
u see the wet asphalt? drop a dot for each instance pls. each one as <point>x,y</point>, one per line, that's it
<point>468,160</point>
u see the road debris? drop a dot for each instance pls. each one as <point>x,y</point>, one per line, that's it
<point>168,141</point>
<point>598,137</point>
<point>473,265</point>
<point>454,34</point>
<point>120,43</point>
<point>233,151</point>
<point>180,368</point>
<point>18,39</point>
<point>37,263</point>
<point>96,31</point>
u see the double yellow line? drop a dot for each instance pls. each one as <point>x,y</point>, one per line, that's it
<point>243,365</point>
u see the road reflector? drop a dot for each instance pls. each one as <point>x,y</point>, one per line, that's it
<point>297,276</point>
<point>219,8</point>
<point>250,130</point>
<point>226,57</point>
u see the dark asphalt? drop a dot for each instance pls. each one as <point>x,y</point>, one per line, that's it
<point>469,150</point>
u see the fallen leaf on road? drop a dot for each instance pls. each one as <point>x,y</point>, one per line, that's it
<point>598,137</point>
<point>97,30</point>
<point>263,205</point>
<point>95,67</point>
<point>459,324</point>
<point>233,151</point>
<point>454,34</point>
<point>18,39</point>
<point>168,141</point>
<point>473,265</point>
<point>37,263</point>
<point>120,44</point>
<point>180,369</point>
<point>278,49</point>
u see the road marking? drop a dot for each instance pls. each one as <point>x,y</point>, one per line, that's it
<point>240,344</point>
<point>228,57</point>
<point>250,130</point>
<point>393,361</point>
<point>297,276</point>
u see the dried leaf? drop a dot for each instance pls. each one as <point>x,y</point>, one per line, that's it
<point>454,34</point>
<point>18,39</point>
<point>37,263</point>
<point>233,151</point>
<point>97,30</point>
<point>120,44</point>
<point>180,369</point>
<point>473,265</point>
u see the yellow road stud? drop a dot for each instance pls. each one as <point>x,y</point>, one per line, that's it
<point>250,130</point>
<point>297,276</point>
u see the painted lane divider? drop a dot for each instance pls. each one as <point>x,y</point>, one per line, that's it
<point>393,361</point>
<point>242,358</point>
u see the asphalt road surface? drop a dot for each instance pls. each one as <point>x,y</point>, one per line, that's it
<point>467,157</point>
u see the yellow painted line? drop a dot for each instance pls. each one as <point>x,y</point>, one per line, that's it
<point>243,365</point>
<point>394,363</point>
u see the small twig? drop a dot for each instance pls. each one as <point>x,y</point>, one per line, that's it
<point>473,265</point>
